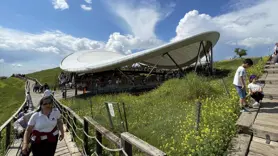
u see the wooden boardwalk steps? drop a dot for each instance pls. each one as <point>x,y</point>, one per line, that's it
<point>261,125</point>
<point>64,148</point>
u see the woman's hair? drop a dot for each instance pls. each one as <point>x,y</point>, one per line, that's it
<point>47,99</point>
<point>252,77</point>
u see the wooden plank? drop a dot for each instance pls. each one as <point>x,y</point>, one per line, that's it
<point>266,122</point>
<point>72,147</point>
<point>254,154</point>
<point>263,132</point>
<point>263,141</point>
<point>61,149</point>
<point>106,133</point>
<point>263,149</point>
<point>271,66</point>
<point>14,148</point>
<point>239,145</point>
<point>141,145</point>
<point>271,71</point>
<point>246,119</point>
<point>65,151</point>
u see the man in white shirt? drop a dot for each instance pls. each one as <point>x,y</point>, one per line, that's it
<point>240,83</point>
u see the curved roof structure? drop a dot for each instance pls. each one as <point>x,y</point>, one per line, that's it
<point>184,52</point>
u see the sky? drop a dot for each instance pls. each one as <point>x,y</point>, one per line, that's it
<point>37,35</point>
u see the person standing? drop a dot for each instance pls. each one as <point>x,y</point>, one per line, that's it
<point>240,83</point>
<point>29,101</point>
<point>42,129</point>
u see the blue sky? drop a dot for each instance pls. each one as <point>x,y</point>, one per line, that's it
<point>36,35</point>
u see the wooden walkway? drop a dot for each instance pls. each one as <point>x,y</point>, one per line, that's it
<point>259,128</point>
<point>265,126</point>
<point>64,148</point>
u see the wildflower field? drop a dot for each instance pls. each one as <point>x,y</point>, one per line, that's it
<point>166,117</point>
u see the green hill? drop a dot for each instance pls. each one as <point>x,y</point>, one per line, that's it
<point>12,95</point>
<point>49,76</point>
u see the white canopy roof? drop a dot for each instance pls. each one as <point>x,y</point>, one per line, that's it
<point>184,52</point>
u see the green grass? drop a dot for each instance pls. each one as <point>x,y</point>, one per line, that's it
<point>49,76</point>
<point>12,96</point>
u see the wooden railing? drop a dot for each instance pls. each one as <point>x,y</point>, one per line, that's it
<point>123,144</point>
<point>7,127</point>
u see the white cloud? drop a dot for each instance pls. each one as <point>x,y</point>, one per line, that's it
<point>49,41</point>
<point>59,43</point>
<point>86,8</point>
<point>16,65</point>
<point>2,60</point>
<point>126,43</point>
<point>250,26</point>
<point>88,1</point>
<point>141,17</point>
<point>60,4</point>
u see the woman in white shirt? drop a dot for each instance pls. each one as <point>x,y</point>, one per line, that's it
<point>255,90</point>
<point>42,127</point>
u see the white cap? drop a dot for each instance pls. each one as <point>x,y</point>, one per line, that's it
<point>47,93</point>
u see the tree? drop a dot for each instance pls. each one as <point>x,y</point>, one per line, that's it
<point>240,52</point>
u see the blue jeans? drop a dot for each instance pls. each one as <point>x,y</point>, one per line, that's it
<point>241,92</point>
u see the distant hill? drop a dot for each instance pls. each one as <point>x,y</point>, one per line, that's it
<point>49,76</point>
<point>12,95</point>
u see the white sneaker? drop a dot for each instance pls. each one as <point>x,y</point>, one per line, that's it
<point>256,104</point>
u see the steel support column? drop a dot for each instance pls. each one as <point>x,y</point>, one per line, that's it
<point>152,69</point>
<point>211,59</point>
<point>174,62</point>
<point>199,53</point>
<point>125,75</point>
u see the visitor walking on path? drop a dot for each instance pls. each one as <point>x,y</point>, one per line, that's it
<point>255,90</point>
<point>42,127</point>
<point>29,101</point>
<point>239,82</point>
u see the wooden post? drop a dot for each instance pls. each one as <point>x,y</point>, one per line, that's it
<point>227,91</point>
<point>127,147</point>
<point>65,119</point>
<point>73,128</point>
<point>109,116</point>
<point>65,92</point>
<point>68,117</point>
<point>85,138</point>
<point>98,147</point>
<point>75,90</point>
<point>8,136</point>
<point>198,115</point>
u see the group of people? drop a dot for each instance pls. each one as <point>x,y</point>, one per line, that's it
<point>40,128</point>
<point>37,88</point>
<point>253,89</point>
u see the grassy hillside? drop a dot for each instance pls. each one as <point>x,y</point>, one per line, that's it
<point>166,117</point>
<point>49,76</point>
<point>11,97</point>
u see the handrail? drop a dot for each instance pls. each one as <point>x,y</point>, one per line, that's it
<point>80,120</point>
<point>128,140</point>
<point>124,142</point>
<point>14,115</point>
<point>8,124</point>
